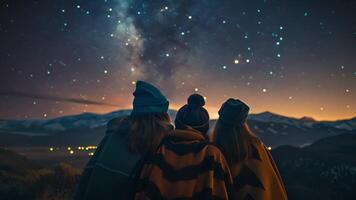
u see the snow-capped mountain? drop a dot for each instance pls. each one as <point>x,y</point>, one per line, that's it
<point>347,124</point>
<point>51,126</point>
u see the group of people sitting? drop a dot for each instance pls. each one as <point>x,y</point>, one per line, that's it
<point>143,156</point>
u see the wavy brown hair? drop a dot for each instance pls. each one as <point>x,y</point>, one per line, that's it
<point>235,142</point>
<point>147,131</point>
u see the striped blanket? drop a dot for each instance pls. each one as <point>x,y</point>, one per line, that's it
<point>257,178</point>
<point>185,166</point>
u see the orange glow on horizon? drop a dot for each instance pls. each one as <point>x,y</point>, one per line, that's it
<point>294,112</point>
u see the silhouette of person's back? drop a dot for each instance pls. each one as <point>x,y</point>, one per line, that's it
<point>255,174</point>
<point>109,173</point>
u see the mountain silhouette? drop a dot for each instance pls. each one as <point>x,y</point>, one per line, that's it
<point>89,128</point>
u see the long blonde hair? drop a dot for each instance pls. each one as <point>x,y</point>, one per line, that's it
<point>235,142</point>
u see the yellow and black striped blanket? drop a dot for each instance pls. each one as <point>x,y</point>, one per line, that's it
<point>184,167</point>
<point>258,178</point>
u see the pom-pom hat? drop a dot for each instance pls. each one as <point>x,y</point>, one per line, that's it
<point>193,114</point>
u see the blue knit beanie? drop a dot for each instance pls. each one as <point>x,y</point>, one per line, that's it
<point>148,99</point>
<point>233,112</point>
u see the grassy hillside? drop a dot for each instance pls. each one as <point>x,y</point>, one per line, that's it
<point>21,178</point>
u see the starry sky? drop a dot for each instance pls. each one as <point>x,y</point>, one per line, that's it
<point>292,57</point>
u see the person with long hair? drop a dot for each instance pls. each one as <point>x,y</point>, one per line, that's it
<point>111,170</point>
<point>254,172</point>
<point>186,165</point>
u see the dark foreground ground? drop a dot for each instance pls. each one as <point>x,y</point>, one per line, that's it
<point>324,170</point>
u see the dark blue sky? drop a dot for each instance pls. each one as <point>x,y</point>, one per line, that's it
<point>290,57</point>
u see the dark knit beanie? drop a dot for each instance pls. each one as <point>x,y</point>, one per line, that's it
<point>233,112</point>
<point>193,115</point>
<point>148,99</point>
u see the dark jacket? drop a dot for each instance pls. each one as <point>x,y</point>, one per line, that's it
<point>108,174</point>
<point>185,166</point>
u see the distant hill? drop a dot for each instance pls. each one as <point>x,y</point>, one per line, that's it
<point>324,170</point>
<point>347,124</point>
<point>21,178</point>
<point>12,162</point>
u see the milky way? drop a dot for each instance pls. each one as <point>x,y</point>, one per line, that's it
<point>295,58</point>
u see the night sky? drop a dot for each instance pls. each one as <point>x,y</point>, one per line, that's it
<point>291,57</point>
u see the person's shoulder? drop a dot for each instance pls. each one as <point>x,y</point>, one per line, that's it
<point>118,123</point>
<point>211,148</point>
<point>256,141</point>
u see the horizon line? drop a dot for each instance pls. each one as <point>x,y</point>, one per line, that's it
<point>211,118</point>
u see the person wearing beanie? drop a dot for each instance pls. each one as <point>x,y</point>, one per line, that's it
<point>254,172</point>
<point>193,115</point>
<point>186,165</point>
<point>111,170</point>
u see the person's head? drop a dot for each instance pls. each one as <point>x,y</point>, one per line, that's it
<point>193,115</point>
<point>231,133</point>
<point>149,120</point>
